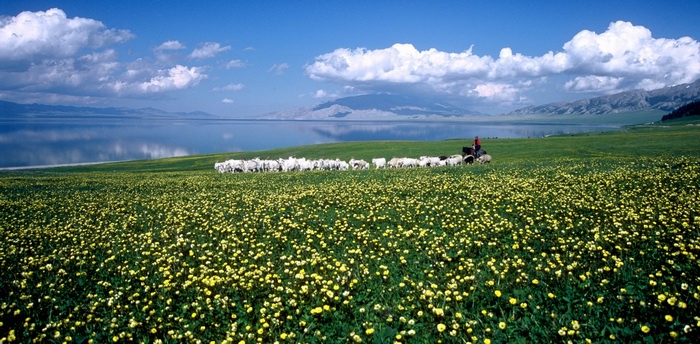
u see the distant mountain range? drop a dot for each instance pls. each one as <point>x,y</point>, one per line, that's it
<point>16,110</point>
<point>398,107</point>
<point>664,99</point>
<point>374,107</point>
<point>389,107</point>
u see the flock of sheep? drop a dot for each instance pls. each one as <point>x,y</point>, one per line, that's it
<point>303,164</point>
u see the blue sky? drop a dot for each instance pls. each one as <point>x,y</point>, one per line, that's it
<point>245,58</point>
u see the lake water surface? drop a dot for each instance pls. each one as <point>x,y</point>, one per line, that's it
<point>51,142</point>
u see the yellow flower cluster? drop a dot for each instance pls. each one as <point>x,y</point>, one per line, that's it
<point>588,251</point>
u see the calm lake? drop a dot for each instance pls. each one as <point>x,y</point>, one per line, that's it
<point>50,142</point>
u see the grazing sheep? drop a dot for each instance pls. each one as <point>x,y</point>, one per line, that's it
<point>393,163</point>
<point>289,164</point>
<point>271,165</point>
<point>230,166</point>
<point>220,167</point>
<point>428,161</point>
<point>303,164</point>
<point>333,165</point>
<point>454,160</point>
<point>408,162</point>
<point>484,159</point>
<point>251,165</point>
<point>379,162</point>
<point>324,164</point>
<point>358,164</point>
<point>342,165</point>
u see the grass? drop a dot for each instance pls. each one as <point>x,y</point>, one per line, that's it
<point>579,238</point>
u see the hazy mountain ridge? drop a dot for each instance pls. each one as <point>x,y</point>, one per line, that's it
<point>374,106</point>
<point>388,107</point>
<point>17,110</point>
<point>664,99</point>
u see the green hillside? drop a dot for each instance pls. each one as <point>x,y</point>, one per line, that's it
<point>586,238</point>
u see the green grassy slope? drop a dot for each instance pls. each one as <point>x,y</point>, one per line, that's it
<point>573,238</point>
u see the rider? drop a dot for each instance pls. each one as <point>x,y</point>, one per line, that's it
<point>476,146</point>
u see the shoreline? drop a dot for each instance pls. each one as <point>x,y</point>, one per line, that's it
<point>41,167</point>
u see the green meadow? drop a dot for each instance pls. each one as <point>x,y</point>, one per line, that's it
<point>584,238</point>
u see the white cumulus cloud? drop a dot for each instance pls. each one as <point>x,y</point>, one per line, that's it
<point>175,78</point>
<point>208,50</point>
<point>227,101</point>
<point>606,84</point>
<point>35,35</point>
<point>630,53</point>
<point>47,56</point>
<point>496,91</point>
<point>625,56</point>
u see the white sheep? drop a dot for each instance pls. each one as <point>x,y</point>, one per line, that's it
<point>327,164</point>
<point>220,167</point>
<point>407,162</point>
<point>331,164</point>
<point>229,166</point>
<point>250,165</point>
<point>319,164</point>
<point>428,161</point>
<point>484,159</point>
<point>342,165</point>
<point>303,164</point>
<point>288,164</point>
<point>393,163</point>
<point>454,160</point>
<point>358,164</point>
<point>271,165</point>
<point>379,162</point>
